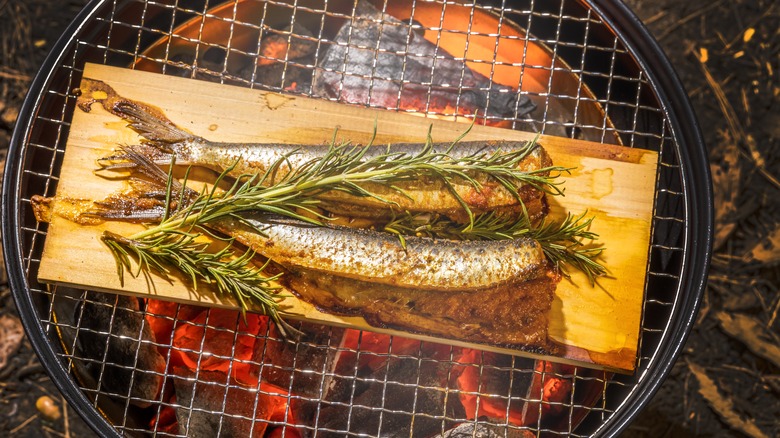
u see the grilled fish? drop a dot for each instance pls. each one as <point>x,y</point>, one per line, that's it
<point>378,258</point>
<point>361,254</point>
<point>164,140</point>
<point>489,292</point>
<point>492,292</point>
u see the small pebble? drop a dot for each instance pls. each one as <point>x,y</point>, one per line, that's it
<point>48,408</point>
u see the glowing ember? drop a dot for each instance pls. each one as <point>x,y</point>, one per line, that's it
<point>214,374</point>
<point>490,373</point>
<point>548,390</point>
<point>209,342</point>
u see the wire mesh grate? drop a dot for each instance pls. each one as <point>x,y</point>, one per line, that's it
<point>584,83</point>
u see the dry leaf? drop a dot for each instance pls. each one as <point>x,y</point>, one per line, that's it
<point>748,35</point>
<point>725,167</point>
<point>721,405</point>
<point>726,182</point>
<point>742,301</point>
<point>11,335</point>
<point>767,250</point>
<point>751,333</point>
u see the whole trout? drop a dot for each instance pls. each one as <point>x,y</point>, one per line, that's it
<point>359,254</point>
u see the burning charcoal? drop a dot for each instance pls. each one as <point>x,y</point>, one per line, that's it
<point>303,364</point>
<point>481,430</point>
<point>404,70</point>
<point>391,381</point>
<point>208,341</point>
<point>119,344</point>
<point>281,46</point>
<point>209,405</point>
<point>553,389</point>
<point>491,374</point>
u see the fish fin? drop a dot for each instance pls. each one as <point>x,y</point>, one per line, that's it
<point>126,211</point>
<point>154,127</point>
<point>162,139</point>
<point>150,188</point>
<point>122,159</point>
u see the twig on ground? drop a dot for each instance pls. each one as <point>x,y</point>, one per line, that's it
<point>23,424</point>
<point>752,334</point>
<point>669,30</point>
<point>66,420</point>
<point>736,128</point>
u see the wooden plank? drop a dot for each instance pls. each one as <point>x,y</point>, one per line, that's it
<point>598,326</point>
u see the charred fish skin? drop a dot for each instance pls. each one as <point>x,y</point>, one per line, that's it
<point>534,204</point>
<point>512,315</point>
<point>258,157</point>
<point>379,258</point>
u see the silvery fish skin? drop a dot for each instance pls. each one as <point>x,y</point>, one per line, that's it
<point>379,258</point>
<point>164,139</point>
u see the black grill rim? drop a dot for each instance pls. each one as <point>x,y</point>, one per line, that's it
<point>12,232</point>
<point>696,183</point>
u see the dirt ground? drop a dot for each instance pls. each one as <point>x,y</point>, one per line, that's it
<point>727,381</point>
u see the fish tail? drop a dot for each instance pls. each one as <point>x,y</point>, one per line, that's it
<point>150,189</point>
<point>163,140</point>
<point>152,125</point>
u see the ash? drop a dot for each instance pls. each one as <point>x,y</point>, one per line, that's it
<point>379,61</point>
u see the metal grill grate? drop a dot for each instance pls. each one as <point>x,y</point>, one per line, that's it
<point>585,83</point>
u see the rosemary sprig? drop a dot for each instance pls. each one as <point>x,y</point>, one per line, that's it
<point>173,242</point>
<point>229,273</point>
<point>343,168</point>
<point>566,243</point>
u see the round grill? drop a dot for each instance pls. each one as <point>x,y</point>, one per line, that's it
<point>590,68</point>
